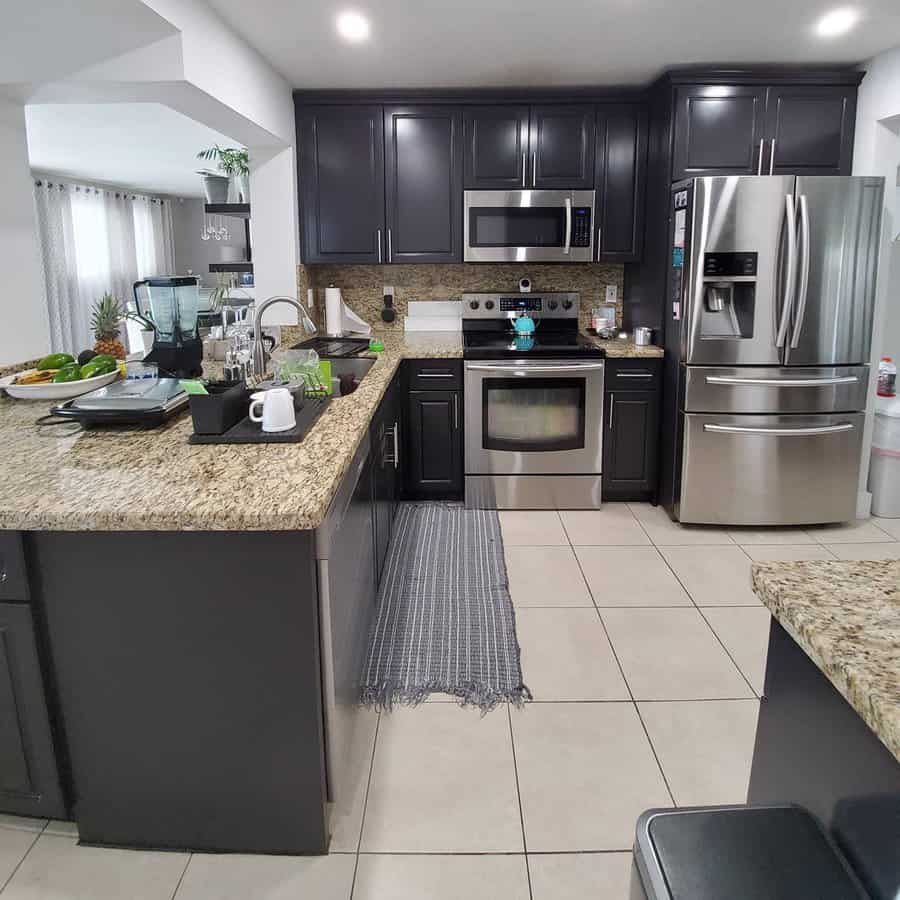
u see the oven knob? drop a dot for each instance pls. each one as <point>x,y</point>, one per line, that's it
<point>474,304</point>
<point>488,304</point>
<point>567,304</point>
<point>552,304</point>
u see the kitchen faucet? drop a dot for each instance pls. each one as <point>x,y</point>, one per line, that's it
<point>261,356</point>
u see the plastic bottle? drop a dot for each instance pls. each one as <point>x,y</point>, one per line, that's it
<point>887,377</point>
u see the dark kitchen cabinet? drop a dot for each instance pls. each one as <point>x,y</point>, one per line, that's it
<point>562,146</point>
<point>423,184</point>
<point>496,147</point>
<point>719,129</point>
<point>386,442</point>
<point>810,129</point>
<point>341,177</point>
<point>620,180</point>
<point>29,778</point>
<point>631,429</point>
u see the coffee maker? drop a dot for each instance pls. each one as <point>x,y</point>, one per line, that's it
<point>169,305</point>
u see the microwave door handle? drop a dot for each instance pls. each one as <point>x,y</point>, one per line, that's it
<point>568,225</point>
<point>804,272</point>
<point>791,277</point>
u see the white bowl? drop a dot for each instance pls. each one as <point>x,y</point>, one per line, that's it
<point>53,391</point>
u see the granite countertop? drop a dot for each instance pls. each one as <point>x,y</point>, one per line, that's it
<point>617,348</point>
<point>62,478</point>
<point>846,617</point>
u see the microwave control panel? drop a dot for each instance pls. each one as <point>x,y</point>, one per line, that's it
<point>581,226</point>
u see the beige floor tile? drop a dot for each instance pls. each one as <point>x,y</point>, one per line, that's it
<point>14,844</point>
<point>577,876</point>
<point>56,867</point>
<point>705,749</point>
<point>443,782</point>
<point>666,533</point>
<point>532,528</point>
<point>630,576</point>
<point>546,576</point>
<point>62,829</point>
<point>791,553</point>
<point>612,525</point>
<point>385,877</point>
<point>862,531</point>
<point>237,877</point>
<point>713,576</point>
<point>566,656</point>
<point>866,551</point>
<point>22,823</point>
<point>751,536</point>
<point>891,526</point>
<point>671,654</point>
<point>347,812</point>
<point>744,630</point>
<point>586,772</point>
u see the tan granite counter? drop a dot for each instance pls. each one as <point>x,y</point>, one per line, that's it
<point>846,617</point>
<point>617,348</point>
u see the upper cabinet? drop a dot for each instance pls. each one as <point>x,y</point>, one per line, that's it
<point>423,183</point>
<point>516,146</point>
<point>341,176</point>
<point>753,129</point>
<point>620,181</point>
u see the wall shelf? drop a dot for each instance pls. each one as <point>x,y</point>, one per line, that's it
<point>240,267</point>
<point>235,210</point>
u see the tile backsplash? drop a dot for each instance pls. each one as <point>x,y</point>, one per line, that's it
<point>361,286</point>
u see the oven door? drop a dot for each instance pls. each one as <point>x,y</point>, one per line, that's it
<point>529,226</point>
<point>534,418</point>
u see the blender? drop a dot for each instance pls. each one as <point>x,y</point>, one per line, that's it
<point>169,305</point>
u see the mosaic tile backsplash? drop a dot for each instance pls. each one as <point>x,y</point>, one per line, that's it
<point>361,286</point>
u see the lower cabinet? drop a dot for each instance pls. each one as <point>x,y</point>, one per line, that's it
<point>434,445</point>
<point>29,779</point>
<point>630,431</point>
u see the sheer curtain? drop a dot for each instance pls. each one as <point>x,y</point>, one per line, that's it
<point>95,240</point>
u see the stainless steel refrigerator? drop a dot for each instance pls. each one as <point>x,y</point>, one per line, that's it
<point>768,336</point>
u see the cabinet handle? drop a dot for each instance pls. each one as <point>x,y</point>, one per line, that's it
<point>3,572</point>
<point>434,374</point>
<point>772,158</point>
<point>612,408</point>
<point>390,257</point>
<point>534,169</point>
<point>379,245</point>
<point>396,445</point>
<point>456,412</point>
<point>599,233</point>
<point>634,375</point>
<point>762,145</point>
<point>524,169</point>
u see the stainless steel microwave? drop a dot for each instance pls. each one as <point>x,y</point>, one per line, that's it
<point>529,226</point>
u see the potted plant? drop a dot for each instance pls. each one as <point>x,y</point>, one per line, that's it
<point>234,163</point>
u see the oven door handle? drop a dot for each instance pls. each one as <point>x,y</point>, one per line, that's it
<point>568,225</point>
<point>535,370</point>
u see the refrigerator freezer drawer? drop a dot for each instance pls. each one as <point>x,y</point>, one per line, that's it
<point>776,389</point>
<point>770,470</point>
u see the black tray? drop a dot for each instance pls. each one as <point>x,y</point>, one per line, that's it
<point>247,432</point>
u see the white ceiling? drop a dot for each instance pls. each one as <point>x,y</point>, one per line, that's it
<point>144,146</point>
<point>475,43</point>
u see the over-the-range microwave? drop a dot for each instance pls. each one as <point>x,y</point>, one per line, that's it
<point>529,226</point>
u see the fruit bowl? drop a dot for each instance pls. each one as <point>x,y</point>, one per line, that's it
<point>54,391</point>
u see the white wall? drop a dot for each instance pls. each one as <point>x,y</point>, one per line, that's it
<point>24,332</point>
<point>877,152</point>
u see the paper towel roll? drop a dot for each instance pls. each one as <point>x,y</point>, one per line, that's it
<point>333,309</point>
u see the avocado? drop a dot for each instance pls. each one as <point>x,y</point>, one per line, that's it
<point>97,367</point>
<point>55,361</point>
<point>67,374</point>
<point>86,356</point>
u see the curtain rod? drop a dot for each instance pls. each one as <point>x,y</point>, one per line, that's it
<point>88,189</point>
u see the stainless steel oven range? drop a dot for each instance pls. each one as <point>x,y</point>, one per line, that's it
<point>534,404</point>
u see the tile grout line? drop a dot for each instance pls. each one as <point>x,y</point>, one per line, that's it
<point>512,742</point>
<point>362,823</point>
<point>181,877</point>
<point>18,865</point>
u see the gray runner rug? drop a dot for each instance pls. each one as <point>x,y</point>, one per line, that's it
<point>445,620</point>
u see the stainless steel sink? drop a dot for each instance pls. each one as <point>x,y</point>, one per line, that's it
<point>356,366</point>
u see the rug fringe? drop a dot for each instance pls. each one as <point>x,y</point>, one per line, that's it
<point>385,696</point>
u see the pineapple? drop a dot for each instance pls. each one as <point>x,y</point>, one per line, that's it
<point>106,323</point>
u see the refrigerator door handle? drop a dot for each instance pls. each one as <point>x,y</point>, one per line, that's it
<point>804,271</point>
<point>781,432</point>
<point>791,277</point>
<point>783,382</point>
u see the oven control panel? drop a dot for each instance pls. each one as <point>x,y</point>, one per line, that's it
<point>515,304</point>
<point>556,305</point>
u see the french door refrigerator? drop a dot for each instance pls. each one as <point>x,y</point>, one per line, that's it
<point>768,335</point>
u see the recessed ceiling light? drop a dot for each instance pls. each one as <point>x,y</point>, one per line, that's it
<point>837,22</point>
<point>352,26</point>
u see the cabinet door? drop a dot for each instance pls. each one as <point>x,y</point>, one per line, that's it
<point>423,183</point>
<point>496,147</point>
<point>434,442</point>
<point>341,174</point>
<point>718,129</point>
<point>810,130</point>
<point>562,147</point>
<point>620,182</point>
<point>630,444</point>
<point>29,781</point>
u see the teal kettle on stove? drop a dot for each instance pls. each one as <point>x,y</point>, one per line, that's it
<point>524,326</point>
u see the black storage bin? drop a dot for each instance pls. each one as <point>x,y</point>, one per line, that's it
<point>738,853</point>
<point>224,405</point>
<point>867,829</point>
